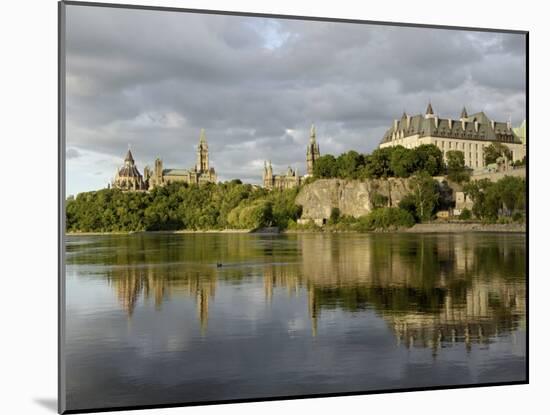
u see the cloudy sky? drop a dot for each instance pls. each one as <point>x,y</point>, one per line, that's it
<point>153,79</point>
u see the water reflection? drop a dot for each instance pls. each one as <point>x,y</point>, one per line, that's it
<point>432,290</point>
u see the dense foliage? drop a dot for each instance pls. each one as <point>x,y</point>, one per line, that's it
<point>385,219</point>
<point>179,206</point>
<point>395,161</point>
<point>456,167</point>
<point>379,219</point>
<point>505,198</point>
<point>495,150</point>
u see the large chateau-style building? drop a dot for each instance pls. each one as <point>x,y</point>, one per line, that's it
<point>469,134</point>
<point>291,178</point>
<point>129,178</point>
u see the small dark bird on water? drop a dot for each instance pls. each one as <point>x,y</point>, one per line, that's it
<point>219,264</point>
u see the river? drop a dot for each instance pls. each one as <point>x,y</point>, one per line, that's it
<point>178,318</point>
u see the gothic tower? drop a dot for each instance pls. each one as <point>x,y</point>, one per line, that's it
<point>202,154</point>
<point>268,175</point>
<point>158,168</point>
<point>312,151</point>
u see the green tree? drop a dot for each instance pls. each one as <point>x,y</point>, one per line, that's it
<point>378,164</point>
<point>408,203</point>
<point>503,198</point>
<point>428,159</point>
<point>495,150</point>
<point>325,167</point>
<point>466,214</point>
<point>425,192</point>
<point>402,161</point>
<point>384,219</point>
<point>456,167</point>
<point>349,164</point>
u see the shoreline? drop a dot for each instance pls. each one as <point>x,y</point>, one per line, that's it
<point>417,228</point>
<point>467,227</point>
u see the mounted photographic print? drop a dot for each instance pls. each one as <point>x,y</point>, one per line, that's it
<point>258,207</point>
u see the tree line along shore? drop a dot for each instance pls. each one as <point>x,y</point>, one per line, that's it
<point>236,206</point>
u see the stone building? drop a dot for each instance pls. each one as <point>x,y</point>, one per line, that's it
<point>128,176</point>
<point>291,178</point>
<point>200,174</point>
<point>469,134</point>
<point>280,181</point>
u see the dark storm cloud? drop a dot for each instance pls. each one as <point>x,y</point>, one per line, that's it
<point>153,79</point>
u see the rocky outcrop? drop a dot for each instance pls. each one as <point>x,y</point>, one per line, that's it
<point>352,197</point>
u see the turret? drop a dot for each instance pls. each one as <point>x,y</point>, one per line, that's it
<point>429,111</point>
<point>464,115</point>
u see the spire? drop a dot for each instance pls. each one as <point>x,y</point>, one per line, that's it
<point>129,158</point>
<point>202,138</point>
<point>312,133</point>
<point>429,110</point>
<point>404,115</point>
<point>464,114</point>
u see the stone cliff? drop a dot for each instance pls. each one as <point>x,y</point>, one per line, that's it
<point>352,197</point>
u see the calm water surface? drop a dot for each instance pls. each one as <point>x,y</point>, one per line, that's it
<point>152,319</point>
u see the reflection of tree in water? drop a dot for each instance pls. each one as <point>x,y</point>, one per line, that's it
<point>432,290</point>
<point>160,266</point>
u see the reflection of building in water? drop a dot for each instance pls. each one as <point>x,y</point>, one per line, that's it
<point>289,277</point>
<point>280,276</point>
<point>473,322</point>
<point>429,291</point>
<point>130,283</point>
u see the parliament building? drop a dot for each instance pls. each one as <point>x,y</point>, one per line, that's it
<point>129,178</point>
<point>291,178</point>
<point>469,134</point>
